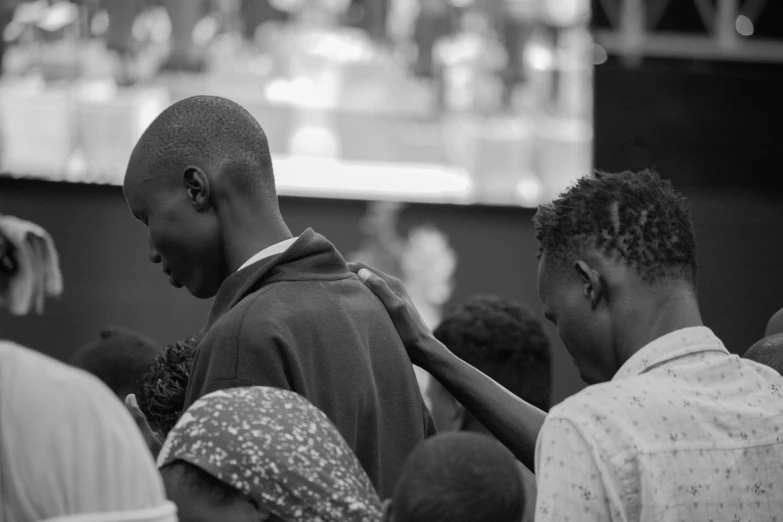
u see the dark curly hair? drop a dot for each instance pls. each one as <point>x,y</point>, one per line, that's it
<point>636,217</point>
<point>504,340</point>
<point>162,396</point>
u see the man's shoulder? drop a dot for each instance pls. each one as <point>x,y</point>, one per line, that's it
<point>594,399</point>
<point>611,402</point>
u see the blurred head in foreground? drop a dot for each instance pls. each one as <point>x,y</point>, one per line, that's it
<point>458,477</point>
<point>69,448</point>
<point>119,358</point>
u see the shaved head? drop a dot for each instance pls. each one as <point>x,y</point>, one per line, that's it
<point>207,131</point>
<point>201,180</point>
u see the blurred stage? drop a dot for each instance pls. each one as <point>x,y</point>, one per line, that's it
<point>347,115</point>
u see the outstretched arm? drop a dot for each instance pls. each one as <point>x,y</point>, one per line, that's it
<point>514,422</point>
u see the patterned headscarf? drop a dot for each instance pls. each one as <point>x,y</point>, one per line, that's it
<point>279,450</point>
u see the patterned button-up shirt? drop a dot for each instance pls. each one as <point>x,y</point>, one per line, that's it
<point>685,431</point>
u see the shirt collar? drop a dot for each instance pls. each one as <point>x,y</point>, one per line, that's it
<point>686,341</point>
<point>277,248</point>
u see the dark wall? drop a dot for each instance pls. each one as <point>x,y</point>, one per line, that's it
<point>714,130</point>
<point>109,280</point>
<point>703,125</point>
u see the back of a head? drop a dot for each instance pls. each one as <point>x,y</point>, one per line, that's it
<point>775,324</point>
<point>504,340</point>
<point>768,351</point>
<point>119,358</point>
<point>636,218</point>
<point>456,477</point>
<point>208,131</point>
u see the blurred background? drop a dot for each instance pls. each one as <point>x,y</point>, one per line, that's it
<point>418,135</point>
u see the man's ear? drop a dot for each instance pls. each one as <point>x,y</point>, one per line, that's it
<point>388,510</point>
<point>593,284</point>
<point>196,183</point>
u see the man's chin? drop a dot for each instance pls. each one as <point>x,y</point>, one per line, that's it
<point>202,291</point>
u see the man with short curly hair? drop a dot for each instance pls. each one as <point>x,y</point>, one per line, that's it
<point>674,427</point>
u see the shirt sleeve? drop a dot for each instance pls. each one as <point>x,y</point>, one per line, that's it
<point>570,485</point>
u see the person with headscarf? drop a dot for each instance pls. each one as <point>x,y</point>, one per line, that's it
<point>69,450</point>
<point>258,453</point>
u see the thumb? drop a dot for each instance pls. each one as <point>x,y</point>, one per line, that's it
<point>133,406</point>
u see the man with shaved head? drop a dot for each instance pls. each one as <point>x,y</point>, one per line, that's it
<point>288,312</point>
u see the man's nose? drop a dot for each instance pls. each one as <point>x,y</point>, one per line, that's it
<point>153,254</point>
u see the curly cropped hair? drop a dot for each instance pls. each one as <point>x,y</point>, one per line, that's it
<point>162,396</point>
<point>504,339</point>
<point>635,217</point>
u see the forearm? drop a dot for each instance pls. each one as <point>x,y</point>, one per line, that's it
<point>514,422</point>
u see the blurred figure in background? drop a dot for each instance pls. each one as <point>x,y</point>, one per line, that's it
<point>371,16</point>
<point>119,358</point>
<point>122,14</point>
<point>458,477</point>
<point>254,13</point>
<point>515,27</point>
<point>237,454</point>
<point>768,351</point>
<point>186,55</point>
<point>504,340</point>
<point>435,22</point>
<point>68,448</point>
<point>7,8</point>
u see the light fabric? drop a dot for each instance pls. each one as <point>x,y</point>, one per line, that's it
<point>277,248</point>
<point>38,274</point>
<point>279,450</point>
<point>684,432</point>
<point>69,448</point>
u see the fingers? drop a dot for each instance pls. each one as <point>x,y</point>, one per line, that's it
<point>380,288</point>
<point>355,266</point>
<point>133,406</point>
<point>153,440</point>
<point>393,283</point>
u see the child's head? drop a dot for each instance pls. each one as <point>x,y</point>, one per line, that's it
<point>458,477</point>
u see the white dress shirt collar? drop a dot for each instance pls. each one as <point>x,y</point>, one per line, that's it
<point>277,248</point>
